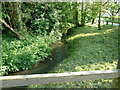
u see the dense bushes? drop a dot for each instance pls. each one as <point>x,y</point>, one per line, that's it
<point>21,55</point>
<point>40,18</point>
<point>41,24</point>
<point>44,18</point>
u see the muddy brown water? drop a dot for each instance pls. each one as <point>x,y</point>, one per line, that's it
<point>59,53</point>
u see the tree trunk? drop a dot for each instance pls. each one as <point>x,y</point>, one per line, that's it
<point>99,20</point>
<point>112,18</point>
<point>112,23</point>
<point>93,21</point>
<point>76,17</point>
<point>107,23</point>
<point>82,15</point>
<point>15,15</point>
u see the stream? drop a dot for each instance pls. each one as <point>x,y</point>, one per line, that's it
<point>59,53</point>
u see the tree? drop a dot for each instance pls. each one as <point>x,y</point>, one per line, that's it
<point>83,13</point>
<point>97,9</point>
<point>76,16</point>
<point>15,13</point>
<point>99,20</point>
<point>11,29</point>
<point>11,17</point>
<point>113,9</point>
<point>101,10</point>
<point>94,11</point>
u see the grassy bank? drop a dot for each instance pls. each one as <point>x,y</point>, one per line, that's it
<point>88,49</point>
<point>19,55</point>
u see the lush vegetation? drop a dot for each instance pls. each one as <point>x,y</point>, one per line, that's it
<point>21,55</point>
<point>89,50</point>
<point>36,36</point>
<point>30,28</point>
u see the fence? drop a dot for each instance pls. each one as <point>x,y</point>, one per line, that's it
<point>26,80</point>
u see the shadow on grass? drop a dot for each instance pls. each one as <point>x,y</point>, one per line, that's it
<point>91,52</point>
<point>89,46</point>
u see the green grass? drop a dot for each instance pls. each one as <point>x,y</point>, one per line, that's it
<point>89,49</point>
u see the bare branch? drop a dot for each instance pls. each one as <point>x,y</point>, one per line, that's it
<point>10,28</point>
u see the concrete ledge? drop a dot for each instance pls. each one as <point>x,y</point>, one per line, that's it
<point>25,80</point>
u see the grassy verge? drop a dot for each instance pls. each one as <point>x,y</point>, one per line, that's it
<point>89,49</point>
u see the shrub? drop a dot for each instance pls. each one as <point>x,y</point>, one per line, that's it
<point>21,55</point>
<point>44,18</point>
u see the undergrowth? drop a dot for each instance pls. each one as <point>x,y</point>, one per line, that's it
<point>20,55</point>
